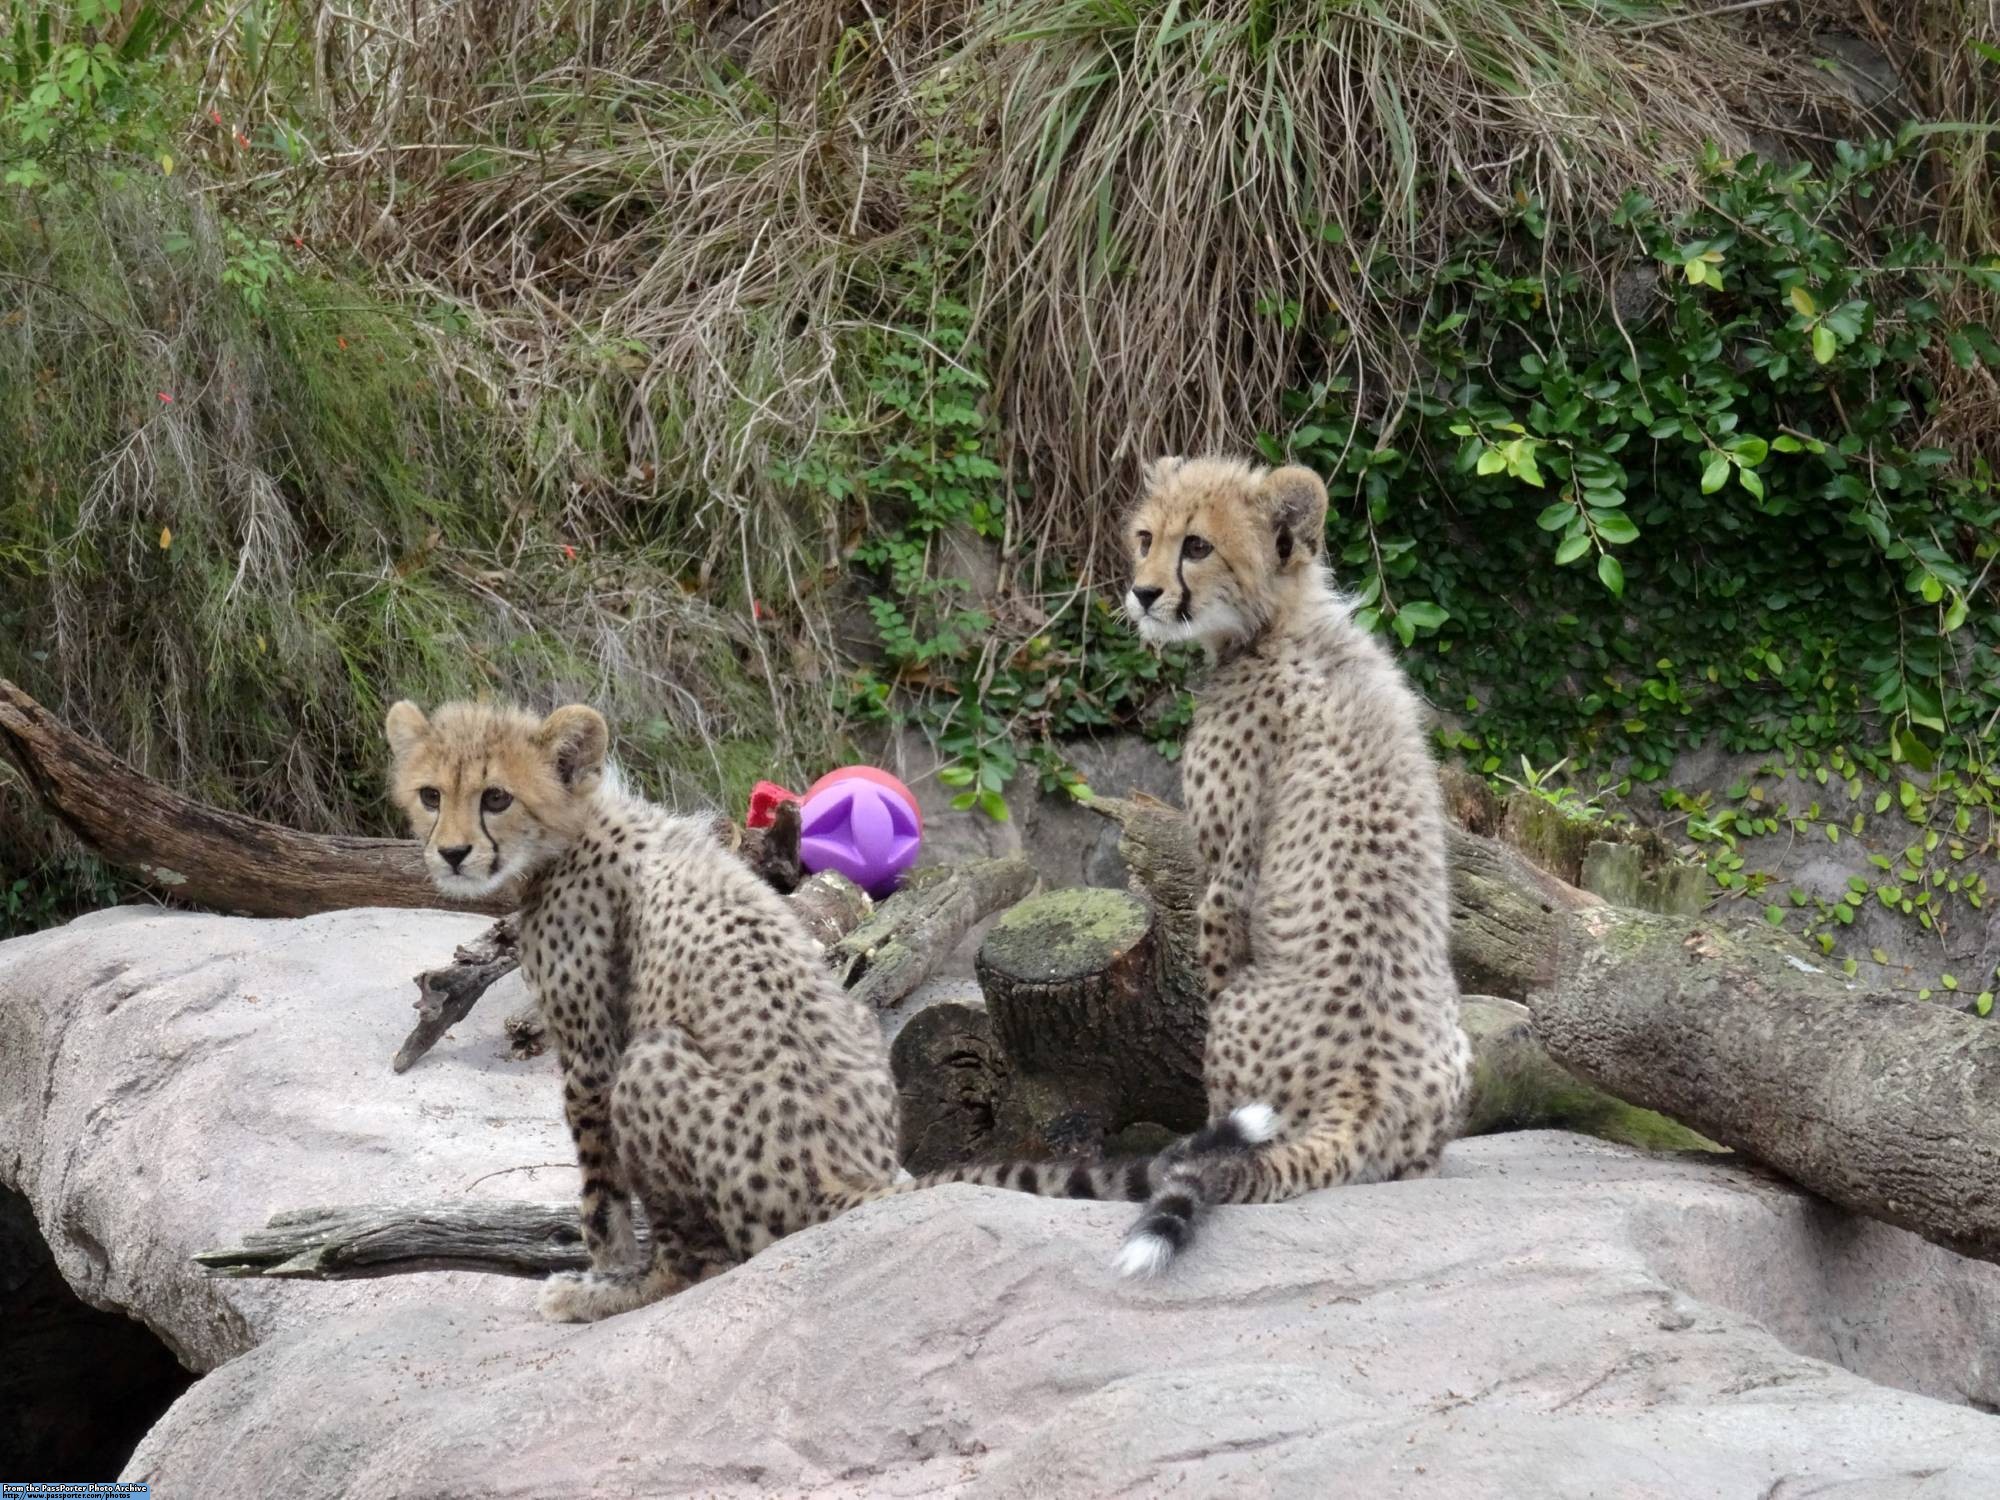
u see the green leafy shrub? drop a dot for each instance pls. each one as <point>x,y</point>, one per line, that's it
<point>1692,497</point>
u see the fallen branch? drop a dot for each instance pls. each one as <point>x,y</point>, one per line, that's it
<point>446,996</point>
<point>349,1244</point>
<point>189,851</point>
<point>915,930</point>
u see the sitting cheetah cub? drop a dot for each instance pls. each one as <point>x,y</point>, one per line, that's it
<point>711,1066</point>
<point>1308,778</point>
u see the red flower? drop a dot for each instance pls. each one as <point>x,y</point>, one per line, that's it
<point>569,551</point>
<point>165,399</point>
<point>340,341</point>
<point>215,117</point>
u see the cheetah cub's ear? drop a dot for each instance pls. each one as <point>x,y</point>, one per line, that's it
<point>1297,502</point>
<point>1158,472</point>
<point>575,740</point>
<point>405,727</point>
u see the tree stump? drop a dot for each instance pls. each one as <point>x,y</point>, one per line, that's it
<point>1096,1041</point>
<point>952,1085</point>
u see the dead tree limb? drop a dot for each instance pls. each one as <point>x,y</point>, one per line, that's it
<point>446,996</point>
<point>915,930</point>
<point>188,851</point>
<point>349,1244</point>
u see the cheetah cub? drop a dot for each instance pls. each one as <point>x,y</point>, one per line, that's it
<point>711,1066</point>
<point>1309,782</point>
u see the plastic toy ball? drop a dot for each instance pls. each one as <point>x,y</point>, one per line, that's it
<point>863,823</point>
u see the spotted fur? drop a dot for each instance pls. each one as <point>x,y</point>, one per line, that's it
<point>712,1068</point>
<point>1324,935</point>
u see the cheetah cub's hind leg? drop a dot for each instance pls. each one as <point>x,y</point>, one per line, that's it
<point>655,1123</point>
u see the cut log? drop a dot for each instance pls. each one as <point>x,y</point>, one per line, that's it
<point>1516,1085</point>
<point>952,1082</point>
<point>1096,1038</point>
<point>1887,1106</point>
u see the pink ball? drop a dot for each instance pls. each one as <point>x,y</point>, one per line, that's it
<point>864,825</point>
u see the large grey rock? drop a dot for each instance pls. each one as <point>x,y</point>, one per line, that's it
<point>1552,1317</point>
<point>167,1080</point>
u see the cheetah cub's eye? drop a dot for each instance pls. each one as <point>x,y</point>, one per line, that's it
<point>495,800</point>
<point>428,795</point>
<point>1195,548</point>
<point>1145,542</point>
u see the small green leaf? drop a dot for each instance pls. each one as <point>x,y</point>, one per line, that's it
<point>1715,476</point>
<point>1612,574</point>
<point>1572,549</point>
<point>1617,528</point>
<point>1803,301</point>
<point>1824,344</point>
<point>1556,516</point>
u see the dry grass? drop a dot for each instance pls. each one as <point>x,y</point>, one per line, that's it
<point>668,234</point>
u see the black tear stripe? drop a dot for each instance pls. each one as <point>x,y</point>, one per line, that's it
<point>1183,611</point>
<point>489,837</point>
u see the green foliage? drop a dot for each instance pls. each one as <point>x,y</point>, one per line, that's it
<point>1618,531</point>
<point>84,90</point>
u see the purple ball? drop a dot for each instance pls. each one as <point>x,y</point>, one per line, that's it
<point>863,830</point>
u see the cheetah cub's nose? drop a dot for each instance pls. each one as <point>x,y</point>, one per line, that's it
<point>1144,598</point>
<point>455,856</point>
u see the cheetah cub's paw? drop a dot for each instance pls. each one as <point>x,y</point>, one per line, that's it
<point>587,1296</point>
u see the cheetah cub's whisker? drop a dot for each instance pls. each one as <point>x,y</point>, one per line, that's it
<point>1334,1053</point>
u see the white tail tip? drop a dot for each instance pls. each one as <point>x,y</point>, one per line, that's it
<point>1257,1123</point>
<point>1144,1255</point>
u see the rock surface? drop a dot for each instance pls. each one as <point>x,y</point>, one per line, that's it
<point>165,1077</point>
<point>1553,1317</point>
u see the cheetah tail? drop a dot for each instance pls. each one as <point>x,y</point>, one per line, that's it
<point>1167,1226</point>
<point>1136,1181</point>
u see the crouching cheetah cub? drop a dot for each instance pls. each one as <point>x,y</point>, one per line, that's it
<point>712,1067</point>
<point>1324,924</point>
